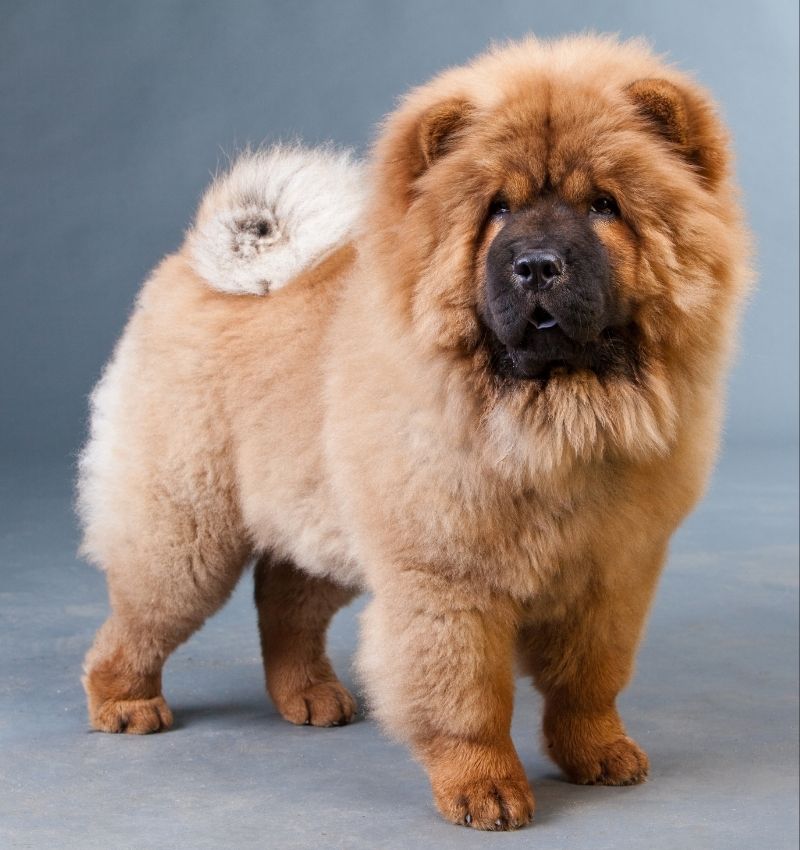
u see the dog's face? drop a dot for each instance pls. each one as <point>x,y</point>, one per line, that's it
<point>561,221</point>
<point>549,299</point>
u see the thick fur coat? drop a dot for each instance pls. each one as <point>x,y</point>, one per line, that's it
<point>351,429</point>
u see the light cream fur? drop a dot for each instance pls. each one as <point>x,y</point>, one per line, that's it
<point>347,429</point>
<point>272,213</point>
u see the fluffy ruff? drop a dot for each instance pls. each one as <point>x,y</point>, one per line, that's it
<point>272,213</point>
<point>349,431</point>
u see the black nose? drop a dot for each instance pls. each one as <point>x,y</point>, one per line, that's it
<point>538,269</point>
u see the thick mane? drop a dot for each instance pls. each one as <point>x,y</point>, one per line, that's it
<point>581,419</point>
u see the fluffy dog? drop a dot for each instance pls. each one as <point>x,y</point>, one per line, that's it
<point>491,408</point>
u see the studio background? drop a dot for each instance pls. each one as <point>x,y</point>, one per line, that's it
<point>113,117</point>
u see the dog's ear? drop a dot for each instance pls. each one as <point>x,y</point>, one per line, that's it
<point>686,119</point>
<point>661,103</point>
<point>414,138</point>
<point>439,128</point>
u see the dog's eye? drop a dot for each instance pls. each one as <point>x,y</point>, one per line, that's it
<point>604,205</point>
<point>499,207</point>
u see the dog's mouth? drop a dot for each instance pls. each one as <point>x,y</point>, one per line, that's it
<point>546,349</point>
<point>541,319</point>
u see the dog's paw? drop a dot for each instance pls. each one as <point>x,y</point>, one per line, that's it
<point>136,717</point>
<point>490,804</point>
<point>322,704</point>
<point>619,762</point>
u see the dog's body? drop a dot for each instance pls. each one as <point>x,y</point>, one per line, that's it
<point>350,432</point>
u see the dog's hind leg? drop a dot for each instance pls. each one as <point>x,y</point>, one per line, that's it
<point>161,589</point>
<point>294,611</point>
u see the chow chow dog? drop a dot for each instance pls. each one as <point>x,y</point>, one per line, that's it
<point>489,402</point>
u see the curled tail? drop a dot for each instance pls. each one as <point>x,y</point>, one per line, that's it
<point>275,212</point>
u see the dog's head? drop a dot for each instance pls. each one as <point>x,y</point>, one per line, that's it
<point>559,220</point>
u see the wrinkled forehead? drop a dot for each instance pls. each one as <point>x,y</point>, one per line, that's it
<point>554,136</point>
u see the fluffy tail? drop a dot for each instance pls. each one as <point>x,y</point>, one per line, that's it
<point>273,213</point>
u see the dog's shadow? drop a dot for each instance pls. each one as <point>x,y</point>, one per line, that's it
<point>187,715</point>
<point>556,797</point>
<point>246,711</point>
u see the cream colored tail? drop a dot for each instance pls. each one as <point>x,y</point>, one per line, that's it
<point>275,212</point>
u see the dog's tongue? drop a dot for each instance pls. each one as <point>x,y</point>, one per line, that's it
<point>542,320</point>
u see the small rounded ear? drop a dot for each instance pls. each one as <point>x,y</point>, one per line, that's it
<point>438,127</point>
<point>420,132</point>
<point>687,120</point>
<point>662,103</point>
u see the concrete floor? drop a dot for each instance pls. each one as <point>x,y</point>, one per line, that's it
<point>714,703</point>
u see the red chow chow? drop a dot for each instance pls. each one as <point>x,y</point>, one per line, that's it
<point>491,408</point>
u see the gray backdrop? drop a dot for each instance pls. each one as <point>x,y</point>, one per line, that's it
<point>113,115</point>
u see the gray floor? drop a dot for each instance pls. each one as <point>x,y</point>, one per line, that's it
<point>714,703</point>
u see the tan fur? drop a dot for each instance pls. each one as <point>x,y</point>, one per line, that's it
<point>294,610</point>
<point>348,429</point>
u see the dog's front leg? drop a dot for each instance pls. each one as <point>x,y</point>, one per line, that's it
<point>437,655</point>
<point>581,660</point>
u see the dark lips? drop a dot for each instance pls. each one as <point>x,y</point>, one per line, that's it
<point>543,347</point>
<point>551,347</point>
